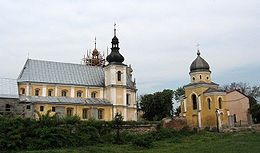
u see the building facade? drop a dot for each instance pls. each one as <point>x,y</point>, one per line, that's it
<point>238,105</point>
<point>89,90</point>
<point>203,104</point>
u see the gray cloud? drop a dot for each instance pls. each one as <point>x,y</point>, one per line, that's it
<point>158,38</point>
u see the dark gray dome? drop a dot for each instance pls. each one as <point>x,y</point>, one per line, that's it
<point>199,65</point>
<point>115,57</point>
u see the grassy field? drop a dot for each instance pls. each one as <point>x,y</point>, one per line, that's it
<point>238,142</point>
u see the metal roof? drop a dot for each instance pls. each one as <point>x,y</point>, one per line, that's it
<point>61,73</point>
<point>8,88</point>
<point>64,73</point>
<point>209,90</point>
<point>199,65</point>
<point>65,100</point>
<point>199,83</point>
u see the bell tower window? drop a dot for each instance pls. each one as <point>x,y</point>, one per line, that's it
<point>194,101</point>
<point>200,77</point>
<point>119,75</point>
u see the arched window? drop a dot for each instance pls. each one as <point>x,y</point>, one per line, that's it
<point>194,101</point>
<point>22,91</point>
<point>79,93</point>
<point>193,78</point>
<point>200,77</point>
<point>64,93</point>
<point>37,92</point>
<point>119,75</point>
<point>50,92</point>
<point>209,103</point>
<point>93,94</point>
<point>7,108</point>
<point>220,103</point>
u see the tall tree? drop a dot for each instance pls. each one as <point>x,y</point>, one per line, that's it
<point>158,105</point>
<point>255,111</point>
<point>178,94</point>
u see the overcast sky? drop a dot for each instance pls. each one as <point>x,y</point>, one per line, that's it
<point>158,38</point>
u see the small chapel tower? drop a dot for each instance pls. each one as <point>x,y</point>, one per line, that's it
<point>117,82</point>
<point>203,105</point>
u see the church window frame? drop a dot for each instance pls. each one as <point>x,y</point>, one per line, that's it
<point>41,108</point>
<point>79,93</point>
<point>194,101</point>
<point>84,113</point>
<point>119,75</point>
<point>209,103</point>
<point>93,94</point>
<point>220,102</point>
<point>128,98</point>
<point>37,92</point>
<point>22,91</point>
<point>100,114</point>
<point>64,93</point>
<point>50,91</point>
<point>69,112</point>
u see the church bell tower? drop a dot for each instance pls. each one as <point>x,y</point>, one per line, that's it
<point>116,79</point>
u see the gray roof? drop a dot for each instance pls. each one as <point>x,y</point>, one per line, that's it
<point>209,90</point>
<point>8,88</point>
<point>200,82</point>
<point>199,65</point>
<point>65,100</point>
<point>39,71</point>
<point>61,73</point>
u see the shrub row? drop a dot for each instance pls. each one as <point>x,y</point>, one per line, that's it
<point>52,132</point>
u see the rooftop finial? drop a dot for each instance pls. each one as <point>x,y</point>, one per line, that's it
<point>95,42</point>
<point>114,29</point>
<point>198,49</point>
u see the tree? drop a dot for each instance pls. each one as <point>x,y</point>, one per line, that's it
<point>255,111</point>
<point>178,94</point>
<point>251,92</point>
<point>158,105</point>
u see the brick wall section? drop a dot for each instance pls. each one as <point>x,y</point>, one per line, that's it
<point>175,122</point>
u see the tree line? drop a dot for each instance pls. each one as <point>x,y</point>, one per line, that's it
<point>159,105</point>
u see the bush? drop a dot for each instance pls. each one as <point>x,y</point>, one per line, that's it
<point>142,141</point>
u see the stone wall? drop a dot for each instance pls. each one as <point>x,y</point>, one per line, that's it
<point>139,129</point>
<point>175,122</point>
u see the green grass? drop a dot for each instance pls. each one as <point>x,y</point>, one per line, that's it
<point>242,142</point>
